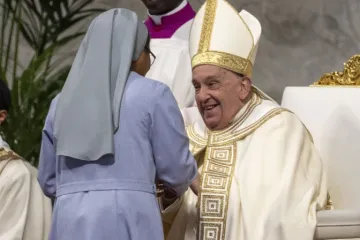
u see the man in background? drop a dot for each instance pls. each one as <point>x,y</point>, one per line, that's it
<point>25,213</point>
<point>169,24</point>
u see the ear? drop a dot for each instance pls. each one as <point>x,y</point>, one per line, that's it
<point>142,65</point>
<point>3,115</point>
<point>245,88</point>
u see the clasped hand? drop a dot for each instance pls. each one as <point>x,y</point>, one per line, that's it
<point>164,191</point>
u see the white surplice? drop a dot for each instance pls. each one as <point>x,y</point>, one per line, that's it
<point>261,178</point>
<point>25,213</point>
<point>173,67</point>
<point>173,63</point>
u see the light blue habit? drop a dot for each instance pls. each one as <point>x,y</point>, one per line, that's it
<point>115,197</point>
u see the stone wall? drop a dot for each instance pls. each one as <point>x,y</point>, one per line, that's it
<point>301,40</point>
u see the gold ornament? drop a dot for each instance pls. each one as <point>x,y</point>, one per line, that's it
<point>350,76</point>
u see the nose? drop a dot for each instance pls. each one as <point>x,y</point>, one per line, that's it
<point>202,95</point>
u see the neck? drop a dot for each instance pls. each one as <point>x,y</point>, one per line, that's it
<point>248,102</point>
<point>157,18</point>
<point>242,109</point>
<point>247,99</point>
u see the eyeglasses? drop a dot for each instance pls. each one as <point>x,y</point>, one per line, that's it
<point>152,56</point>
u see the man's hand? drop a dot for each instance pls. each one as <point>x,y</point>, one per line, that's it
<point>168,195</point>
<point>195,185</point>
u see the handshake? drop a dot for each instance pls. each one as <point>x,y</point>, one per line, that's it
<point>169,193</point>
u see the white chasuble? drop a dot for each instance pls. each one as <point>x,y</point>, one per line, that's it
<point>25,212</point>
<point>261,178</point>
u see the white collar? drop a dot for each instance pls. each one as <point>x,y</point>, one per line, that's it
<point>157,18</point>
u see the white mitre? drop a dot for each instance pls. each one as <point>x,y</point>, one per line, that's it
<point>223,37</point>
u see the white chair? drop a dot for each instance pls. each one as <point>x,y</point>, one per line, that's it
<point>330,109</point>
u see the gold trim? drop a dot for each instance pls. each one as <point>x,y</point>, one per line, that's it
<point>242,133</point>
<point>261,94</point>
<point>207,27</point>
<point>350,76</point>
<point>8,155</point>
<point>254,102</point>
<point>216,179</point>
<point>201,141</point>
<point>224,60</point>
<point>231,134</point>
<point>221,59</point>
<point>329,204</point>
<point>218,169</point>
<point>195,139</point>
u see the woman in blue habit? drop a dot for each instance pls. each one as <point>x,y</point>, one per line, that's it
<point>108,135</point>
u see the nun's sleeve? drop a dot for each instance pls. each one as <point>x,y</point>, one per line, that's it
<point>47,162</point>
<point>175,164</point>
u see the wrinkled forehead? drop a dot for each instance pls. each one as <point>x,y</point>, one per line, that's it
<point>205,73</point>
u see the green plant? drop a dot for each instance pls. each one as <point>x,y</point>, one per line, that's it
<point>45,26</point>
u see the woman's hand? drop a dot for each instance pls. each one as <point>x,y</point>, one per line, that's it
<point>164,191</point>
<point>168,195</point>
<point>159,188</point>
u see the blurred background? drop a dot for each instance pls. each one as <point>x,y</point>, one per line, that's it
<point>301,41</point>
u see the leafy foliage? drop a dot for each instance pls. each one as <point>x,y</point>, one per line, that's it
<point>45,26</point>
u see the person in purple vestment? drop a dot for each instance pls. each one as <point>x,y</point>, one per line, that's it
<point>109,135</point>
<point>169,24</point>
<point>167,17</point>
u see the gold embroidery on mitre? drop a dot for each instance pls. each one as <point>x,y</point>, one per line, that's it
<point>223,60</point>
<point>350,76</point>
<point>207,27</point>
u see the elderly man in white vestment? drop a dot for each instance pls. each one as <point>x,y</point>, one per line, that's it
<point>25,212</point>
<point>169,24</point>
<point>261,177</point>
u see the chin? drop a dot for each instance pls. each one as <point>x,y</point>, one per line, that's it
<point>155,7</point>
<point>211,125</point>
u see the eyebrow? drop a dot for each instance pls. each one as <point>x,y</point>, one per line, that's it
<point>207,79</point>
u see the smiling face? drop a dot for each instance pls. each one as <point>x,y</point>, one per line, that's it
<point>158,7</point>
<point>219,94</point>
